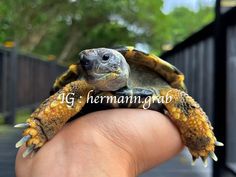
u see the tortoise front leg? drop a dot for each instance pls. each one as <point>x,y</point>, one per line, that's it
<point>52,114</point>
<point>195,128</point>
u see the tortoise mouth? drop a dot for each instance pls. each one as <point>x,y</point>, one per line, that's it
<point>107,82</point>
<point>117,71</point>
<point>94,76</point>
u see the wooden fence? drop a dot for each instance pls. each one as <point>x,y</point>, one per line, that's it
<point>24,81</point>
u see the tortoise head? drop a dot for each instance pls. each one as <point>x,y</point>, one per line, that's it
<point>106,69</point>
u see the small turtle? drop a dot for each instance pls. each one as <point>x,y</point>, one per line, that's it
<point>121,73</point>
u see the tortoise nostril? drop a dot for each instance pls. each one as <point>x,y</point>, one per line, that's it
<point>85,63</point>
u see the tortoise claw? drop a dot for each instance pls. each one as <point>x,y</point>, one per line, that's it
<point>205,162</point>
<point>213,156</point>
<point>22,125</point>
<point>33,136</point>
<point>193,160</point>
<point>193,163</point>
<point>28,151</point>
<point>22,141</point>
<point>217,143</point>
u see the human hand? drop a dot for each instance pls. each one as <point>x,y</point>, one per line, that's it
<point>118,142</point>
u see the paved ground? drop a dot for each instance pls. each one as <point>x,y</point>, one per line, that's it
<point>8,137</point>
<point>178,167</point>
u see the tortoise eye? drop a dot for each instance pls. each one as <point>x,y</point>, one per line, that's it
<point>105,57</point>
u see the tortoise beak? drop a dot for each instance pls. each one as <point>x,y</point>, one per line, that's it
<point>85,62</point>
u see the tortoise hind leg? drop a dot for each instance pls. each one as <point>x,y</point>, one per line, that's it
<point>193,123</point>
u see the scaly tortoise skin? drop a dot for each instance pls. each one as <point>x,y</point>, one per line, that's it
<point>121,72</point>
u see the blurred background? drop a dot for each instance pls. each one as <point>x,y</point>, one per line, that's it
<point>39,38</point>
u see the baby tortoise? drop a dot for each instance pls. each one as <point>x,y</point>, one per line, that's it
<point>121,72</point>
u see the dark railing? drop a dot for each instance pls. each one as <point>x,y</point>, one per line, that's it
<point>208,60</point>
<point>24,81</point>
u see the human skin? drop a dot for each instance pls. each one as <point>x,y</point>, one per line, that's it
<point>119,142</point>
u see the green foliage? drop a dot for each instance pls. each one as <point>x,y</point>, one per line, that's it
<point>183,22</point>
<point>64,27</point>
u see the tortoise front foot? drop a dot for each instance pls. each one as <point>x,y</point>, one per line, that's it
<point>46,121</point>
<point>33,136</point>
<point>195,128</point>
